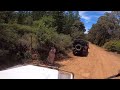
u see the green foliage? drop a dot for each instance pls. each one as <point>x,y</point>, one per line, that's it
<point>107,28</point>
<point>6,16</point>
<point>75,34</point>
<point>59,22</point>
<point>61,41</point>
<point>77,30</point>
<point>113,46</point>
<point>45,28</point>
<point>70,17</point>
<point>28,20</point>
<point>46,21</point>
<point>77,25</point>
<point>17,28</point>
<point>22,29</point>
<point>8,36</point>
<point>47,34</point>
<point>15,39</point>
<point>36,15</point>
<point>3,52</point>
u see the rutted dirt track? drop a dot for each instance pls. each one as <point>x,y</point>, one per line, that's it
<point>99,64</point>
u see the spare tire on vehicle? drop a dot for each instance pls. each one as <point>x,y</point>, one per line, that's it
<point>80,47</point>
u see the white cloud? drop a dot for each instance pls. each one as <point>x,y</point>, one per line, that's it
<point>108,11</point>
<point>83,16</point>
<point>90,18</point>
<point>102,12</point>
<point>86,17</point>
<point>82,12</point>
<point>86,31</point>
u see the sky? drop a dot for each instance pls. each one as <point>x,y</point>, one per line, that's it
<point>90,17</point>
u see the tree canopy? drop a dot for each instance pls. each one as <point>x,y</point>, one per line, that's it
<point>107,28</point>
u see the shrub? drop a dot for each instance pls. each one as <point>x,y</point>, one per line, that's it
<point>113,46</point>
<point>48,36</point>
<point>61,41</point>
<point>17,39</point>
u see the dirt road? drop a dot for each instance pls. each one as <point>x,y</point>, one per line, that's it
<point>98,64</point>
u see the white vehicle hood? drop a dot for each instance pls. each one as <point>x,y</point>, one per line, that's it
<point>29,72</point>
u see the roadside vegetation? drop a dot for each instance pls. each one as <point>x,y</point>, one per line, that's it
<point>106,32</point>
<point>23,33</point>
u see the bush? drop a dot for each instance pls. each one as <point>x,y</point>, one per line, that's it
<point>48,36</point>
<point>3,52</point>
<point>22,29</point>
<point>8,37</point>
<point>113,46</point>
<point>17,39</point>
<point>61,41</point>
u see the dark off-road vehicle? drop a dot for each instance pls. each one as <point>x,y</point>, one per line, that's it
<point>80,47</point>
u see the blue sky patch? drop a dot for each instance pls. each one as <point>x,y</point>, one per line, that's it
<point>90,17</point>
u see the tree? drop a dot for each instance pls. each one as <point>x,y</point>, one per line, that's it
<point>59,20</point>
<point>104,30</point>
<point>21,17</point>
<point>116,32</point>
<point>6,16</point>
<point>28,20</point>
<point>76,15</point>
<point>70,18</point>
<point>77,30</point>
<point>36,15</point>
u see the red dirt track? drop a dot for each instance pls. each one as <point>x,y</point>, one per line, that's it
<point>99,64</point>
